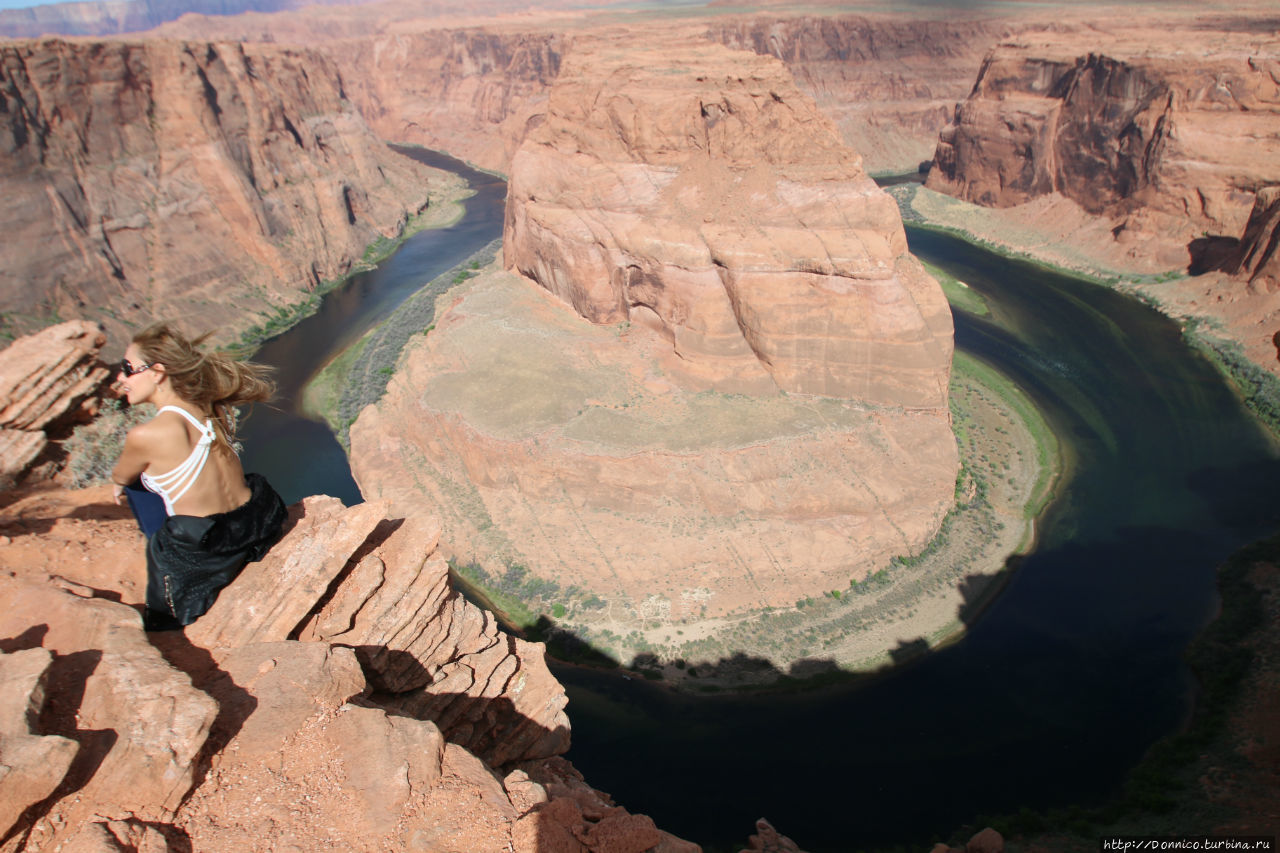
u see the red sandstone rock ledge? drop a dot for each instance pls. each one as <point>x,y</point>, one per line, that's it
<point>340,693</point>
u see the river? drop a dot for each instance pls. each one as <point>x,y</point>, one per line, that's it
<point>1059,687</point>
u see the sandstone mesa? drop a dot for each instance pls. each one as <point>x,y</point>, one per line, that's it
<point>730,389</point>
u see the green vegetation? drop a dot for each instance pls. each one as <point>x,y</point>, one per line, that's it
<point>1259,389</point>
<point>904,194</point>
<point>522,602</point>
<point>959,294</point>
<point>286,316</point>
<point>359,376</point>
<point>965,369</point>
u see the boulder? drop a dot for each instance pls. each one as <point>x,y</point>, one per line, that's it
<point>32,765</point>
<point>46,376</point>
<point>139,722</point>
<point>47,381</point>
<point>272,598</point>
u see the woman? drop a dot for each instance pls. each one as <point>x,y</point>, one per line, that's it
<point>204,519</point>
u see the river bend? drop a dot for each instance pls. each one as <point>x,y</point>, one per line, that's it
<point>1056,691</point>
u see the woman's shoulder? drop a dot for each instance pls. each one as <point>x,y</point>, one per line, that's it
<point>168,426</point>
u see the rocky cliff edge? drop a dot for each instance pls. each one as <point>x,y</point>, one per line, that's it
<point>340,692</point>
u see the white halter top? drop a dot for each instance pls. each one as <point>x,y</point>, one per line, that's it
<point>173,485</point>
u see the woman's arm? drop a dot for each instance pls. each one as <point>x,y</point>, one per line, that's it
<point>133,460</point>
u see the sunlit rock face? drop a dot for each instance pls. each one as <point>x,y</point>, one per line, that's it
<point>398,717</point>
<point>1257,259</point>
<point>160,179</point>
<point>697,190</point>
<point>890,82</point>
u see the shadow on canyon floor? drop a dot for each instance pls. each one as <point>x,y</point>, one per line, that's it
<point>744,671</point>
<point>1211,254</point>
<point>64,686</point>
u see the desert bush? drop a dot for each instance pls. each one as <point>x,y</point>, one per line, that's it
<point>92,450</point>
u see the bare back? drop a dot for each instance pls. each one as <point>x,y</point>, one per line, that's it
<point>168,440</point>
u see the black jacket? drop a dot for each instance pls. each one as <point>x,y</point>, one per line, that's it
<point>191,558</point>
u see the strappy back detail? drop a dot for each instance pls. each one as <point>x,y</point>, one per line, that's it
<point>173,485</point>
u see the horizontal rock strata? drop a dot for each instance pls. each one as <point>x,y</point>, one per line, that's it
<point>1170,143</point>
<point>889,83</point>
<point>695,189</point>
<point>159,179</point>
<point>470,92</point>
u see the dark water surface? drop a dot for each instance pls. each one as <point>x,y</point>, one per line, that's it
<point>1058,688</point>
<point>1062,683</point>
<point>300,456</point>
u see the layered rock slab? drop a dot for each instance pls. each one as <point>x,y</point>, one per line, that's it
<point>112,739</point>
<point>349,576</point>
<point>48,381</point>
<point>696,189</point>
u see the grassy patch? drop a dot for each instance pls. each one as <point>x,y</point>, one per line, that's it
<point>359,376</point>
<point>959,294</point>
<point>440,214</point>
<point>967,369</point>
<point>1259,388</point>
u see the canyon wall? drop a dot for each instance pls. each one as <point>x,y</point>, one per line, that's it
<point>719,382</point>
<point>890,84</point>
<point>161,179</point>
<point>1169,144</point>
<point>470,92</point>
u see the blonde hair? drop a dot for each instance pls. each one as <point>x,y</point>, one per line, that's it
<point>213,380</point>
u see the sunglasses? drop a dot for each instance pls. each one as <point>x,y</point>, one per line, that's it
<point>130,369</point>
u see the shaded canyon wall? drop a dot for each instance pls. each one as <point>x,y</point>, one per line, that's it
<point>1169,145</point>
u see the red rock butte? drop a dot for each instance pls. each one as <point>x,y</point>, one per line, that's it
<point>704,243</point>
<point>696,190</point>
